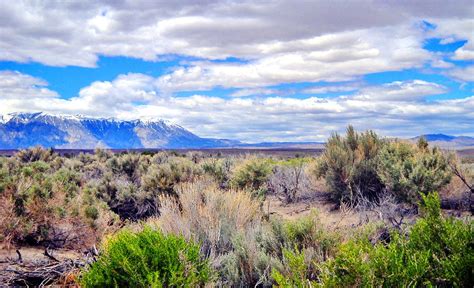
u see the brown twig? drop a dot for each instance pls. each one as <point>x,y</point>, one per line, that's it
<point>47,254</point>
<point>38,274</point>
<point>20,259</point>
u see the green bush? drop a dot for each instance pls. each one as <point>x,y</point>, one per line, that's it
<point>35,154</point>
<point>304,232</point>
<point>126,164</point>
<point>349,166</point>
<point>438,251</point>
<point>408,170</point>
<point>252,175</point>
<point>296,271</point>
<point>360,166</point>
<point>300,245</point>
<point>91,212</point>
<point>148,259</point>
<point>68,181</point>
<point>219,169</point>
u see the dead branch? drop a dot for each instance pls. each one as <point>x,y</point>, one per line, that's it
<point>459,173</point>
<point>39,273</point>
<point>47,254</point>
<point>20,259</point>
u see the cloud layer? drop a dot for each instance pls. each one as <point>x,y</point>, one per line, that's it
<point>75,32</point>
<point>397,109</point>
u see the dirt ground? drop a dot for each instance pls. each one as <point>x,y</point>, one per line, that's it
<point>328,214</point>
<point>30,254</point>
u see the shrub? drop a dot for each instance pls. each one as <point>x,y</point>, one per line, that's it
<point>247,265</point>
<point>147,259</point>
<point>210,215</point>
<point>127,164</point>
<point>91,212</point>
<point>67,181</point>
<point>124,197</point>
<point>408,170</point>
<point>290,179</point>
<point>219,169</point>
<point>305,232</point>
<point>360,167</point>
<point>300,245</point>
<point>252,175</point>
<point>35,154</point>
<point>41,204</point>
<point>296,274</point>
<point>160,179</point>
<point>349,166</point>
<point>437,252</point>
<point>224,222</point>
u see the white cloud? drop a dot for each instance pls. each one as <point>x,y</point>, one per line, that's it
<point>462,74</point>
<point>362,52</point>
<point>310,41</point>
<point>402,91</point>
<point>402,112</point>
<point>455,29</point>
<point>253,92</point>
<point>331,89</point>
<point>14,85</point>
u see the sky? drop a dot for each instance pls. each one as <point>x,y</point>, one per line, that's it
<point>246,70</point>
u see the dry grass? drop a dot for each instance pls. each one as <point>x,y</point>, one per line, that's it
<point>208,213</point>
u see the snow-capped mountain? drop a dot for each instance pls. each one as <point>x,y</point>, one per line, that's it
<point>22,130</point>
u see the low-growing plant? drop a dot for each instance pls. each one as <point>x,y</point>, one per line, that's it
<point>438,251</point>
<point>295,271</point>
<point>35,154</point>
<point>290,180</point>
<point>148,259</point>
<point>219,169</point>
<point>300,245</point>
<point>210,215</point>
<point>252,175</point>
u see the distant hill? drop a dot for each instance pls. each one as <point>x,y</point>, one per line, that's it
<point>277,145</point>
<point>22,130</point>
<point>448,141</point>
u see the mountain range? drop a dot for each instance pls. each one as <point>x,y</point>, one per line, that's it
<point>448,141</point>
<point>23,130</point>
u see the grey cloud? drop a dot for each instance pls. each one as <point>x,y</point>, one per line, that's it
<point>76,32</point>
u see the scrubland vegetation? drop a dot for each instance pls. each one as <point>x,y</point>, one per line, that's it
<point>171,220</point>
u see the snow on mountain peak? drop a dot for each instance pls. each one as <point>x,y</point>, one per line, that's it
<point>79,131</point>
<point>25,116</point>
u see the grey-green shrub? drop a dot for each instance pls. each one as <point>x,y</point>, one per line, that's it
<point>219,169</point>
<point>290,179</point>
<point>349,166</point>
<point>361,166</point>
<point>252,175</point>
<point>408,170</point>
